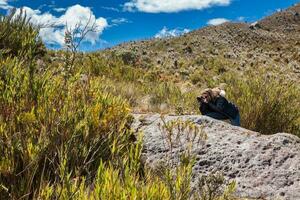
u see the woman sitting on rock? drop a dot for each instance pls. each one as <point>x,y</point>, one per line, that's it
<point>214,104</point>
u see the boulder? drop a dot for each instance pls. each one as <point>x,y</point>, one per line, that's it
<point>263,166</point>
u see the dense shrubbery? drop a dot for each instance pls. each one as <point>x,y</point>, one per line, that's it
<point>268,104</point>
<point>72,140</point>
<point>68,136</point>
<point>147,90</point>
<point>18,36</point>
<point>46,121</point>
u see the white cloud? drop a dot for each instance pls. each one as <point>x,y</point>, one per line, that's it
<point>73,15</point>
<point>59,9</point>
<point>4,5</point>
<point>169,6</point>
<point>217,21</point>
<point>241,18</point>
<point>118,21</point>
<point>165,32</point>
<point>111,9</point>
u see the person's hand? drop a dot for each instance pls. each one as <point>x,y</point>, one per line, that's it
<point>204,100</point>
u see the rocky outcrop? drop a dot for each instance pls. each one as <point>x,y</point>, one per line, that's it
<point>266,167</point>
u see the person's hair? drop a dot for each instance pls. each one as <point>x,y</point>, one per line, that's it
<point>213,93</point>
<point>209,92</point>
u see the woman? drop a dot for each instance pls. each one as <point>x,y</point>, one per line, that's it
<point>214,104</point>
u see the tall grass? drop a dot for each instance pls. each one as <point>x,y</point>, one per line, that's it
<point>69,137</point>
<point>37,131</point>
<point>72,141</point>
<point>146,90</point>
<point>268,104</point>
<point>18,36</point>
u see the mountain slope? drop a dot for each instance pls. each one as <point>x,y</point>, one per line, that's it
<point>273,42</point>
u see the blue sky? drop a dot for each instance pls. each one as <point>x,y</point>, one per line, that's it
<point>126,20</point>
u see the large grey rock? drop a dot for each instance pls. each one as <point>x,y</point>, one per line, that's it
<point>266,167</point>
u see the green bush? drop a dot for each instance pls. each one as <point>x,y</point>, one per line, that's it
<point>129,58</point>
<point>268,104</point>
<point>19,37</point>
<point>72,140</point>
<point>65,137</point>
<point>73,122</point>
<point>69,137</point>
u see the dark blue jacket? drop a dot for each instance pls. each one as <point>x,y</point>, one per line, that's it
<point>220,105</point>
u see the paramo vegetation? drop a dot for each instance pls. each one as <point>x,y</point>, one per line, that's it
<point>65,131</point>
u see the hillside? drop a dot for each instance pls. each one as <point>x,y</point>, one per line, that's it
<point>258,64</point>
<point>273,42</point>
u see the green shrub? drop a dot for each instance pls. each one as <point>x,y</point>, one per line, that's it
<point>69,137</point>
<point>74,122</point>
<point>200,77</point>
<point>268,104</point>
<point>212,187</point>
<point>164,93</point>
<point>19,37</point>
<point>129,58</point>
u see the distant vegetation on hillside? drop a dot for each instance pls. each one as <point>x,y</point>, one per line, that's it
<point>259,63</point>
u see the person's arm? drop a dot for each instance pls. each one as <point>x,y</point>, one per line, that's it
<point>219,106</point>
<point>204,108</point>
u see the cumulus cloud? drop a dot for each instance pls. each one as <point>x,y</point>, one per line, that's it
<point>4,5</point>
<point>169,6</point>
<point>74,15</point>
<point>165,32</point>
<point>217,21</point>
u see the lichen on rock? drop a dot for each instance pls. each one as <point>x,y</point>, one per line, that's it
<point>263,166</point>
